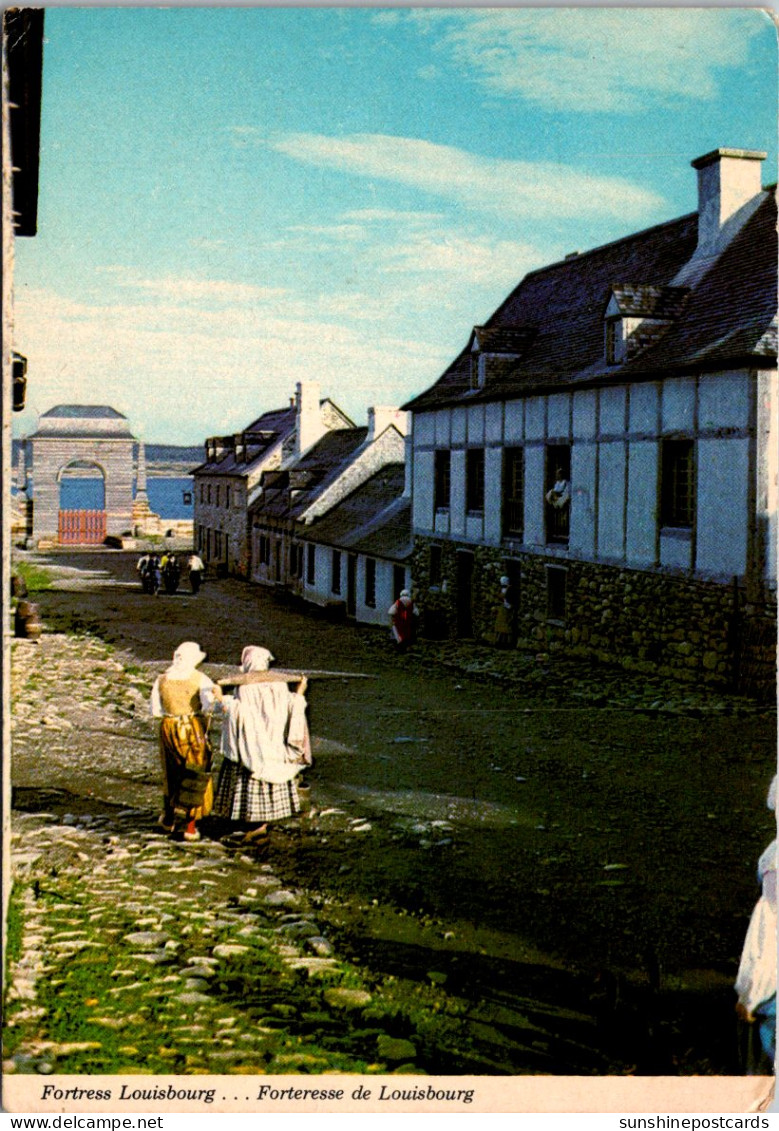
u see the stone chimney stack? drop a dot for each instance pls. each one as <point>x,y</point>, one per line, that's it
<point>309,425</point>
<point>381,416</point>
<point>728,179</point>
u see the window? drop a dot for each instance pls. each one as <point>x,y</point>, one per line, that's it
<point>398,581</point>
<point>296,560</point>
<point>370,583</point>
<point>436,565</point>
<point>556,593</point>
<point>513,492</point>
<point>612,340</point>
<point>474,480</point>
<point>558,493</point>
<point>227,497</point>
<point>311,565</point>
<point>677,484</point>
<point>335,572</point>
<point>209,494</point>
<point>442,480</point>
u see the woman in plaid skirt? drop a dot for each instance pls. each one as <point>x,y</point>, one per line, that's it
<point>265,743</point>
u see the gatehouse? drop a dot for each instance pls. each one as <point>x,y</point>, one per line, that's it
<point>82,471</point>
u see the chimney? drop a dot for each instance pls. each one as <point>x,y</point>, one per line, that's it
<point>727,180</point>
<point>381,416</point>
<point>308,427</point>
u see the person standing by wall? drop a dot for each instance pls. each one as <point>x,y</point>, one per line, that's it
<point>401,615</point>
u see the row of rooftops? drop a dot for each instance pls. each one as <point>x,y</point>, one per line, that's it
<point>697,293</point>
<point>703,286</point>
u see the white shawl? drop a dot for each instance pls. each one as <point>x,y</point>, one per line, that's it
<point>265,726</point>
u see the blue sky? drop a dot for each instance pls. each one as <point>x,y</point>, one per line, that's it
<point>236,199</point>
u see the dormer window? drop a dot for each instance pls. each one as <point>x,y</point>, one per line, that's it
<point>494,349</point>
<point>636,316</point>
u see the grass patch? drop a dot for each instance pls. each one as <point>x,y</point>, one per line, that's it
<point>35,577</point>
<point>13,928</point>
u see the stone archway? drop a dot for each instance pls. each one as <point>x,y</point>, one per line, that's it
<point>81,518</point>
<point>81,442</point>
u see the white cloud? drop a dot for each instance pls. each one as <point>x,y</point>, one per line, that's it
<point>595,59</point>
<point>180,289</point>
<point>511,189</point>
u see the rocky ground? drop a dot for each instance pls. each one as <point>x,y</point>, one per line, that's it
<point>575,904</point>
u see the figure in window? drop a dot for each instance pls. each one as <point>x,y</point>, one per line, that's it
<point>559,494</point>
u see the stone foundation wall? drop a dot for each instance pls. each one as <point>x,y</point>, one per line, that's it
<point>658,623</point>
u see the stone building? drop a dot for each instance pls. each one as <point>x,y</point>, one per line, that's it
<point>295,498</point>
<point>228,482</point>
<point>81,441</point>
<point>608,440</point>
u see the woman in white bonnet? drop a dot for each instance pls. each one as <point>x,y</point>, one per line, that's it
<point>182,697</point>
<point>265,743</point>
<point>756,979</point>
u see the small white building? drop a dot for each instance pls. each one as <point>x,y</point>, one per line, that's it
<point>361,549</point>
<point>297,497</point>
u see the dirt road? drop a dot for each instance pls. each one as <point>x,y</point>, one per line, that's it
<point>534,826</point>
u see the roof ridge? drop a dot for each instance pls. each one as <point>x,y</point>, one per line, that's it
<point>566,262</point>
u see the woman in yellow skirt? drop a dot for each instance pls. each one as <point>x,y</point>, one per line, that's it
<point>182,697</point>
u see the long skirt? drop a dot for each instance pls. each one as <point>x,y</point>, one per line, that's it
<point>183,743</point>
<point>242,797</point>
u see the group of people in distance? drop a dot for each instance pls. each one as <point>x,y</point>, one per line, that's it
<point>265,745</point>
<point>157,572</point>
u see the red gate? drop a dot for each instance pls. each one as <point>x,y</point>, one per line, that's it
<point>81,527</point>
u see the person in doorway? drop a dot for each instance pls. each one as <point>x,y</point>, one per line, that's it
<point>504,615</point>
<point>401,615</point>
<point>184,699</point>
<point>265,744</point>
<point>756,979</point>
<point>196,570</point>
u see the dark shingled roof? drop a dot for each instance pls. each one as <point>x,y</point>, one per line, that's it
<point>261,435</point>
<point>83,411</point>
<point>310,475</point>
<point>642,301</point>
<point>725,319</point>
<point>374,519</point>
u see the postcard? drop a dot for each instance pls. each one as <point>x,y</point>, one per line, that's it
<point>390,478</point>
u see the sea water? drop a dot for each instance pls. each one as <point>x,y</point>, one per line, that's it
<point>169,496</point>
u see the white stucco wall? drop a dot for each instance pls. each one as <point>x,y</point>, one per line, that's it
<point>534,495</point>
<point>613,402</point>
<point>615,435</point>
<point>493,468</point>
<point>558,417</point>
<point>422,499</point>
<point>644,408</point>
<point>723,486</point>
<point>583,499</point>
<point>678,405</point>
<point>457,495</point>
<point>611,501</point>
<point>641,525</point>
